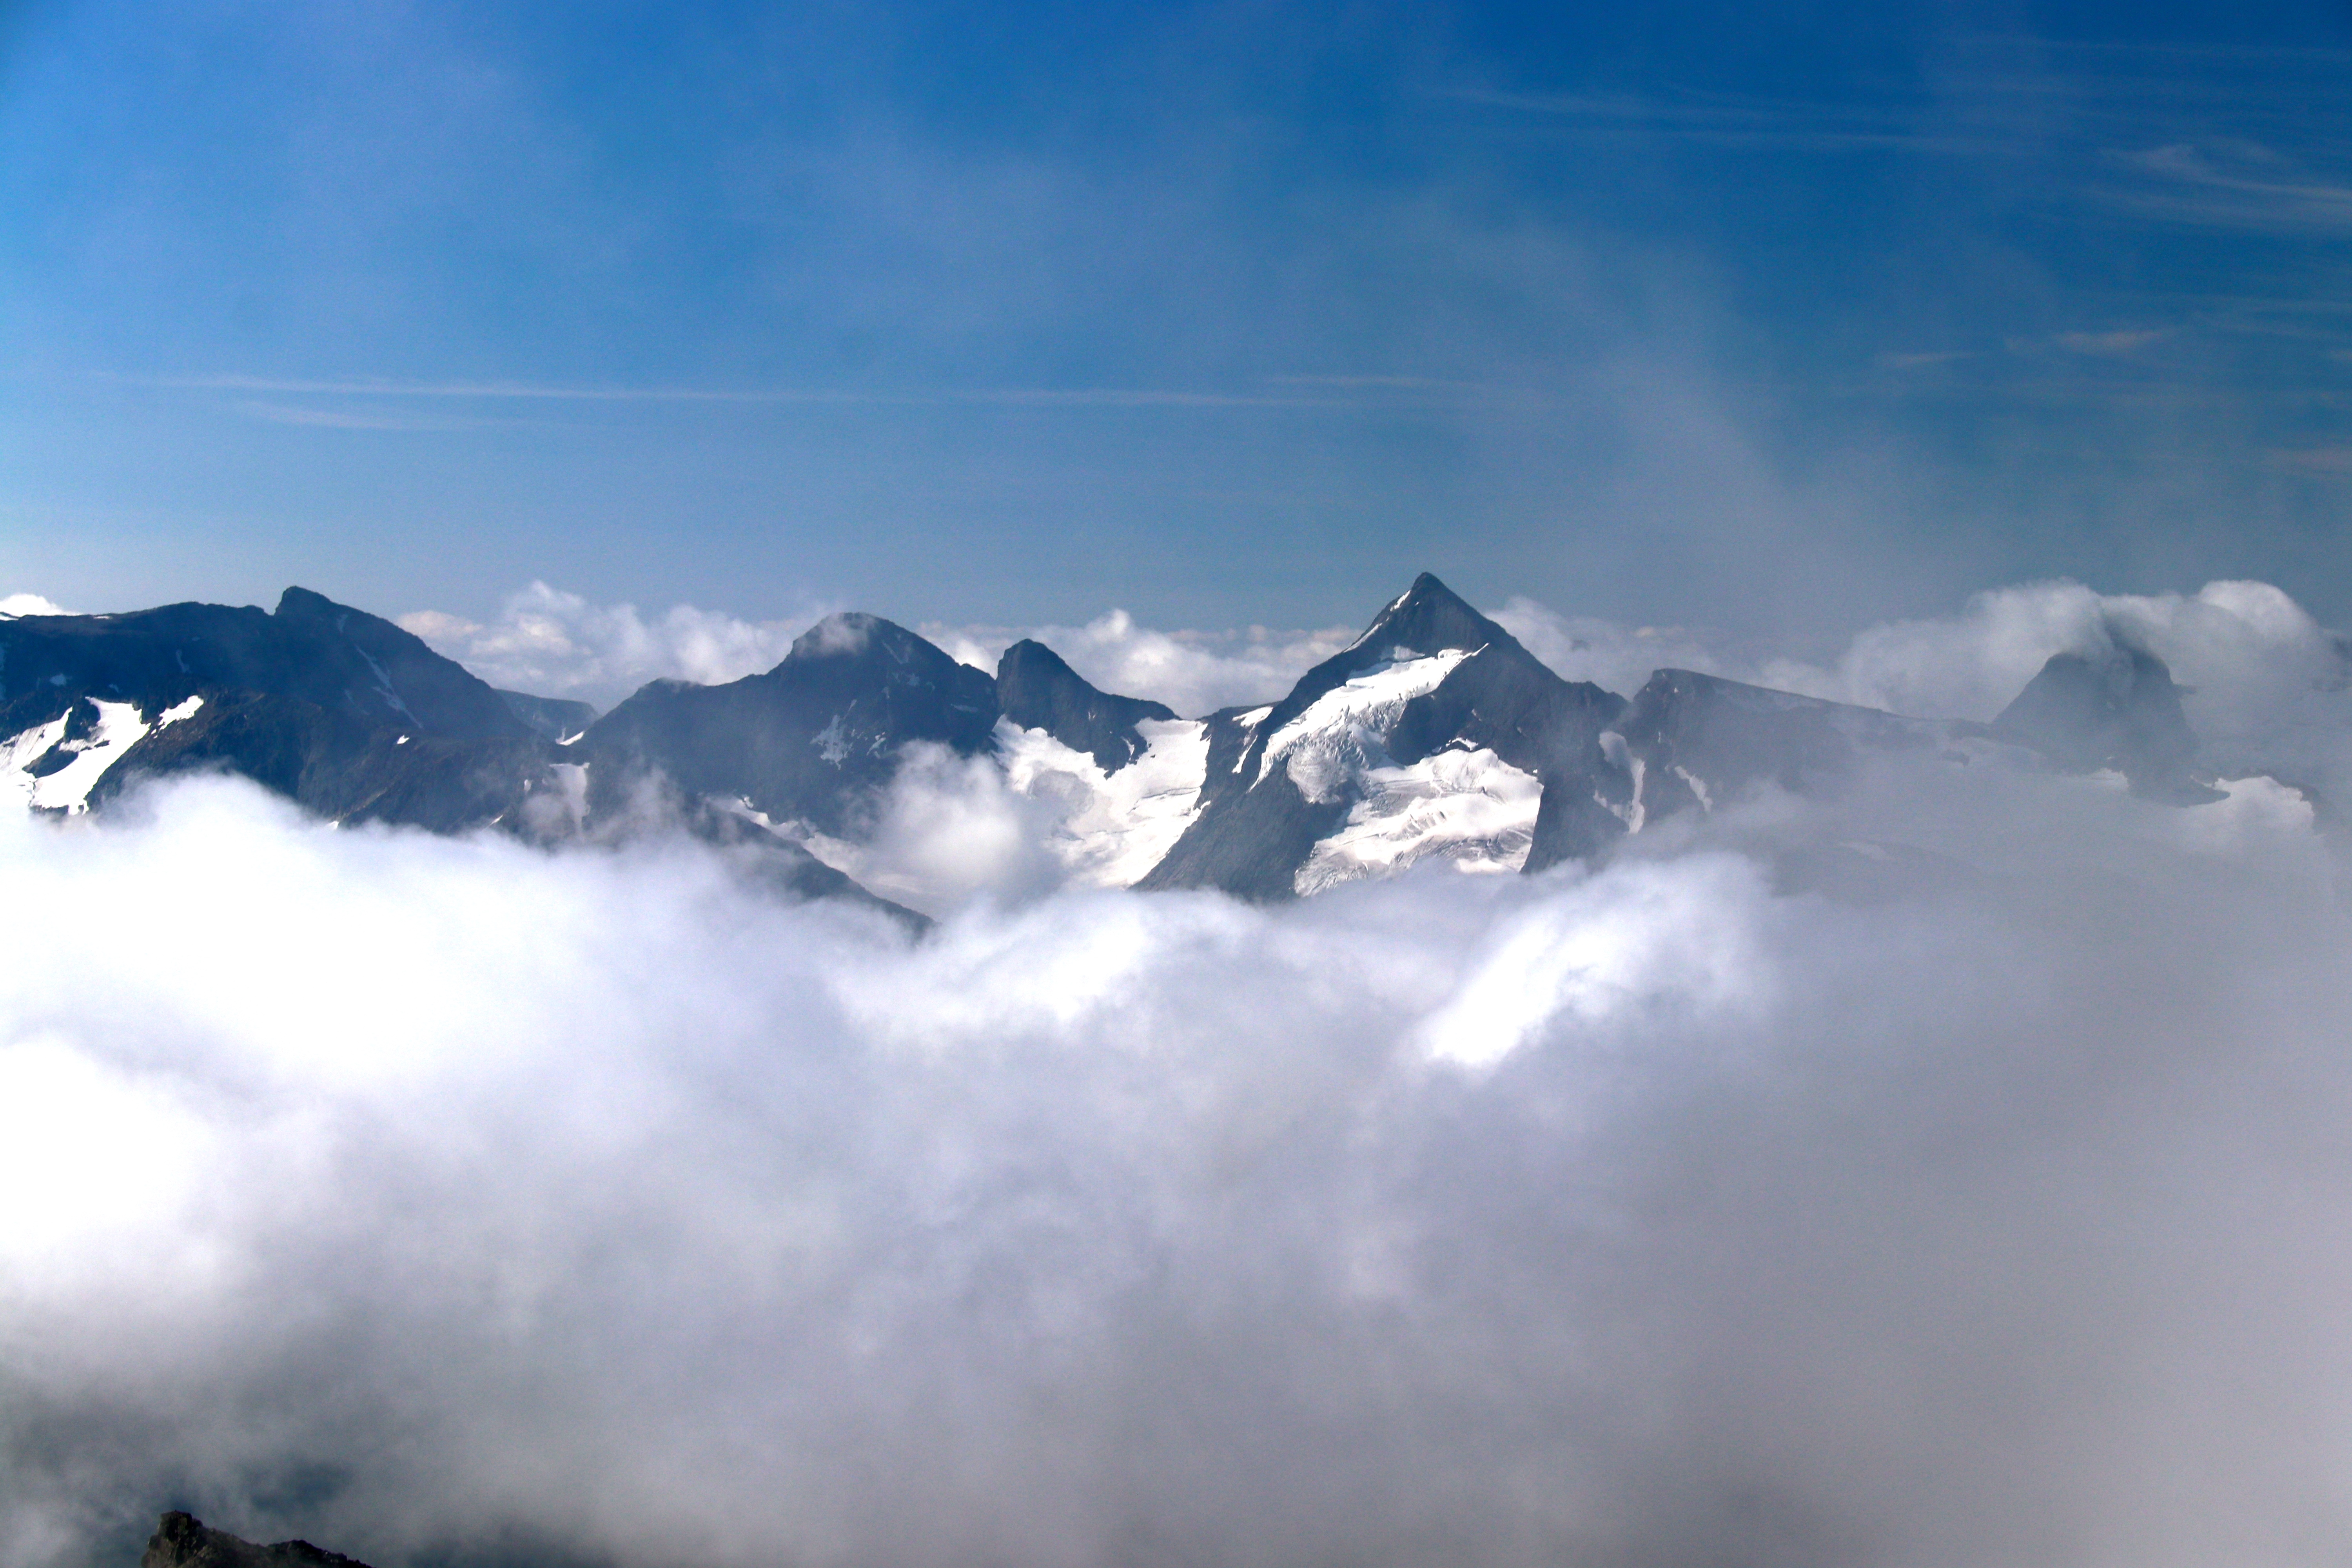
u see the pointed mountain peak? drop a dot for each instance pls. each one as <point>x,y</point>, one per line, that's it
<point>302,604</point>
<point>1430,618</point>
<point>1031,658</point>
<point>2114,706</point>
<point>301,607</point>
<point>1037,689</point>
<point>853,635</point>
<point>850,632</point>
<point>1426,586</point>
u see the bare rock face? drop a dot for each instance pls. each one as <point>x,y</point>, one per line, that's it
<point>1037,690</point>
<point>2115,708</point>
<point>182,1540</point>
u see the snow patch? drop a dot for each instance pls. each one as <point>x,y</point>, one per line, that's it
<point>119,727</point>
<point>1249,722</point>
<point>1115,826</point>
<point>1345,731</point>
<point>21,750</point>
<point>382,680</point>
<point>1470,806</point>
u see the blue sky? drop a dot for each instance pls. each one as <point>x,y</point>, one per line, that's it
<point>1774,319</point>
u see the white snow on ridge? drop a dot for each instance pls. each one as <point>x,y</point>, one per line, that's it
<point>1345,731</point>
<point>1470,806</point>
<point>1249,722</point>
<point>1115,826</point>
<point>21,752</point>
<point>119,727</point>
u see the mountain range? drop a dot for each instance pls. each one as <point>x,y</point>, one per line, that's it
<point>1434,733</point>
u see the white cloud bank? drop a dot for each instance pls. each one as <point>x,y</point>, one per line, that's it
<point>401,1191</point>
<point>1193,672</point>
<point>14,604</point>
<point>556,644</point>
<point>550,643</point>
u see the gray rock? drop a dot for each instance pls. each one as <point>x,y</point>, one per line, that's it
<point>2116,708</point>
<point>1037,690</point>
<point>813,740</point>
<point>181,1541</point>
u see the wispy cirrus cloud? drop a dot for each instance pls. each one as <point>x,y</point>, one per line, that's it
<point>1737,121</point>
<point>2238,185</point>
<point>2113,343</point>
<point>556,392</point>
<point>2330,462</point>
<point>346,418</point>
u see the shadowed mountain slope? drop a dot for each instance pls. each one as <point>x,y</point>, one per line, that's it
<point>2115,708</point>
<point>1691,741</point>
<point>1035,690</point>
<point>812,740</point>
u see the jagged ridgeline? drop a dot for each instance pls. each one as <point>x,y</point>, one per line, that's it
<point>1434,734</point>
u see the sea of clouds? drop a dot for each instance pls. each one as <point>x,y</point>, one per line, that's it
<point>1952,1173</point>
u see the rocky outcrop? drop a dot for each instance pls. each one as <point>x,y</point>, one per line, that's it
<point>1037,690</point>
<point>182,1541</point>
<point>2116,708</point>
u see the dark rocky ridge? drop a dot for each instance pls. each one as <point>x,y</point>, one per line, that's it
<point>814,739</point>
<point>351,717</point>
<point>1037,690</point>
<point>1695,742</point>
<point>338,766</point>
<point>361,721</point>
<point>334,708</point>
<point>340,660</point>
<point>181,1541</point>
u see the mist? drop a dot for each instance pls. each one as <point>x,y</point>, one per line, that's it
<point>1952,1173</point>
